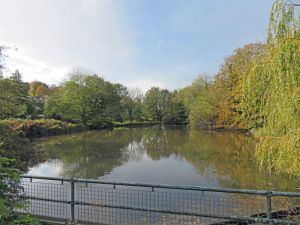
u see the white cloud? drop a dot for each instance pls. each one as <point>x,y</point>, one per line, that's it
<point>56,36</point>
<point>145,84</point>
<point>33,69</point>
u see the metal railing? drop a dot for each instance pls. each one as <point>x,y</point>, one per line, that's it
<point>102,202</point>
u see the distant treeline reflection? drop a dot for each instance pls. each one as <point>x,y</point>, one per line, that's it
<point>227,155</point>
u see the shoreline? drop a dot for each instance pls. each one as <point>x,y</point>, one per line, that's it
<point>40,128</point>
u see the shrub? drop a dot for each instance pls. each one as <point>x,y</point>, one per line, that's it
<point>40,127</point>
<point>10,186</point>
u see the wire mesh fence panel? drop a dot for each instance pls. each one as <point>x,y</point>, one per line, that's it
<point>49,209</point>
<point>286,207</point>
<point>53,190</point>
<point>98,202</point>
<point>103,215</point>
<point>175,203</point>
<point>44,189</point>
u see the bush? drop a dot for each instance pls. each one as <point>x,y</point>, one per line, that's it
<point>10,201</point>
<point>12,145</point>
<point>40,127</point>
<point>10,186</point>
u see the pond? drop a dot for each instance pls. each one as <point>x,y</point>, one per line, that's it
<point>159,155</point>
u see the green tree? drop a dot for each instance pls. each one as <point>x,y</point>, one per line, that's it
<point>161,105</point>
<point>54,103</point>
<point>12,92</point>
<point>131,104</point>
<point>152,107</point>
<point>175,112</point>
<point>278,88</point>
<point>85,98</point>
<point>203,111</point>
<point>12,98</point>
<point>155,103</point>
<point>136,98</point>
<point>199,100</point>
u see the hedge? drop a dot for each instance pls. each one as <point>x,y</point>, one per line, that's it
<point>41,127</point>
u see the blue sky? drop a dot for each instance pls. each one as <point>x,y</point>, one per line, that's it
<point>139,43</point>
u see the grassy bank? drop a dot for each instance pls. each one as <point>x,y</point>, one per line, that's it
<point>51,127</point>
<point>41,127</point>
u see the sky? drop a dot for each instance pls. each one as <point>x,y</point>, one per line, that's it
<point>139,43</point>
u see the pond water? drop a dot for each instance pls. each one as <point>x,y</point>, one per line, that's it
<point>159,155</point>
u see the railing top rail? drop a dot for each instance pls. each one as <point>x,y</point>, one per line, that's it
<point>165,186</point>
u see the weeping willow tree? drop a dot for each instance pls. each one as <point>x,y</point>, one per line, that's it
<point>272,94</point>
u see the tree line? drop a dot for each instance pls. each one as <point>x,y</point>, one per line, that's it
<point>88,99</point>
<point>258,88</point>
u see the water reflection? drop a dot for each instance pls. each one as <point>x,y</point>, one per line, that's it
<point>156,155</point>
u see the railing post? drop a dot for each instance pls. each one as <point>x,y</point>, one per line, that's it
<point>72,201</point>
<point>269,205</point>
